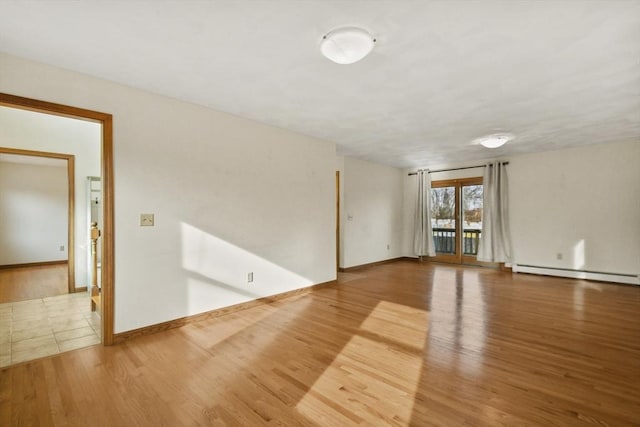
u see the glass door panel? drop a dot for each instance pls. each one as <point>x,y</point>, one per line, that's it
<point>443,219</point>
<point>471,218</point>
<point>456,219</point>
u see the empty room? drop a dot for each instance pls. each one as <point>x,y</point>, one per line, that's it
<point>320,213</point>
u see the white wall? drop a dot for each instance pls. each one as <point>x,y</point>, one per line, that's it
<point>43,132</point>
<point>373,211</point>
<point>583,203</point>
<point>230,196</point>
<point>34,206</point>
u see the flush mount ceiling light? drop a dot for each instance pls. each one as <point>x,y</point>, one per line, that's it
<point>347,45</point>
<point>494,141</point>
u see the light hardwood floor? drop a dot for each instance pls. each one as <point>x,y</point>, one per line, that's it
<point>33,282</point>
<point>395,344</point>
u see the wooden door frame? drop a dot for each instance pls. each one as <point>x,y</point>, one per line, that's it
<point>459,257</point>
<point>337,220</point>
<point>71,184</point>
<point>106,121</point>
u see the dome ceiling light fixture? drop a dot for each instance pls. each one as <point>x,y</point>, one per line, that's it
<point>347,45</point>
<point>494,141</point>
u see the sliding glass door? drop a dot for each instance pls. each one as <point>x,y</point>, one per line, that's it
<point>456,218</point>
<point>444,220</point>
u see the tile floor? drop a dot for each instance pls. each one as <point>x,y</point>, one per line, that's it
<point>42,327</point>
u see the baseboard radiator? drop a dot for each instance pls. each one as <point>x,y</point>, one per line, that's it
<point>630,279</point>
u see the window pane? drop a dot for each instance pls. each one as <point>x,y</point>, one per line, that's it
<point>471,218</point>
<point>443,219</point>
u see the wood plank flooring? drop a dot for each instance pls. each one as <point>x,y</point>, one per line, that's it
<point>396,344</point>
<point>33,282</point>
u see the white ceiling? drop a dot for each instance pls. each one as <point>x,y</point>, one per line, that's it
<point>443,73</point>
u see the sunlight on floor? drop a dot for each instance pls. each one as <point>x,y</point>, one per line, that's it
<point>457,321</point>
<point>399,323</point>
<point>396,334</point>
<point>216,331</point>
<point>578,297</point>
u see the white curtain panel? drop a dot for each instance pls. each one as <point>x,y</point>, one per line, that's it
<point>423,239</point>
<point>495,240</point>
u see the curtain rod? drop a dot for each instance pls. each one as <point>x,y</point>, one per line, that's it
<point>455,169</point>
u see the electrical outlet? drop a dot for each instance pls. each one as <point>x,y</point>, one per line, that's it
<point>250,277</point>
<point>388,246</point>
<point>61,248</point>
<point>559,256</point>
<point>146,220</point>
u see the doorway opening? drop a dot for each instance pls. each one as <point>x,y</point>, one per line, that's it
<point>34,217</point>
<point>106,189</point>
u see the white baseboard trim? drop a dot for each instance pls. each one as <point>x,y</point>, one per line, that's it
<point>629,279</point>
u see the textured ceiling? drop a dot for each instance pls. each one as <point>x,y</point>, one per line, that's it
<point>554,73</point>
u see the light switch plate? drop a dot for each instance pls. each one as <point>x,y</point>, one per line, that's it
<point>146,220</point>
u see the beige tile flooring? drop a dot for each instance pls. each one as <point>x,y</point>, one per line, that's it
<point>42,327</point>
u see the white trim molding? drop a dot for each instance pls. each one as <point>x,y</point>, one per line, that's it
<point>630,279</point>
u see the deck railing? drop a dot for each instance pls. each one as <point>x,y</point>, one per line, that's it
<point>445,240</point>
